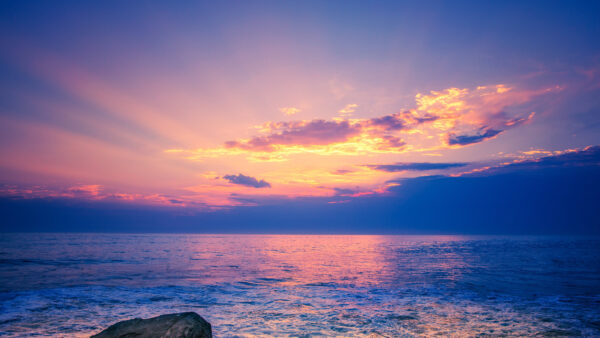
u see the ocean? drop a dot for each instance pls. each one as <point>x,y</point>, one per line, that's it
<point>66,284</point>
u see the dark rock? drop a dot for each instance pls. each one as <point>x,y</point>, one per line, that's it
<point>176,325</point>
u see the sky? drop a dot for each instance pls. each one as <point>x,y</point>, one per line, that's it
<point>318,117</point>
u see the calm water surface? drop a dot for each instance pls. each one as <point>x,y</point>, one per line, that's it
<point>282,285</point>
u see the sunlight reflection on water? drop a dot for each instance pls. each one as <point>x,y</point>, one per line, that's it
<point>287,285</point>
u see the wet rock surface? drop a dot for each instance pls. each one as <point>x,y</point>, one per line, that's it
<point>176,325</point>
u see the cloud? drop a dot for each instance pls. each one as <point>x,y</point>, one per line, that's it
<point>526,161</point>
<point>400,121</point>
<point>524,166</point>
<point>94,192</point>
<point>501,203</point>
<point>343,171</point>
<point>586,157</point>
<point>348,110</point>
<point>486,132</point>
<point>298,133</point>
<point>370,135</point>
<point>289,110</point>
<point>416,166</point>
<point>247,181</point>
<point>450,118</point>
<point>90,189</point>
<point>464,140</point>
<point>344,191</point>
<point>354,192</point>
<point>571,157</point>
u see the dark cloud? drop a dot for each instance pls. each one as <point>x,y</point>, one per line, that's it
<point>389,122</point>
<point>500,123</point>
<point>416,166</point>
<point>399,121</point>
<point>463,140</point>
<point>247,181</point>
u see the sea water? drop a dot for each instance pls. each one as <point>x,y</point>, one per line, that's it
<point>302,285</point>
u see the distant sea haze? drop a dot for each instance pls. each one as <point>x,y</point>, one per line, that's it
<point>291,285</point>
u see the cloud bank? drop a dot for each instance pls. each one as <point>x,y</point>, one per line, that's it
<point>506,201</point>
